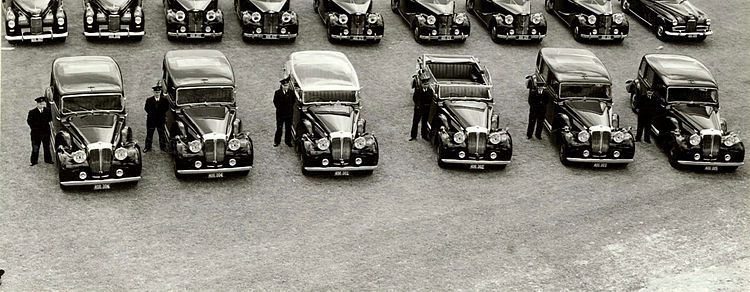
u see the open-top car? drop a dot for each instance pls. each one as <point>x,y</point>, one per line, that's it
<point>194,19</point>
<point>670,18</point>
<point>433,20</point>
<point>329,134</point>
<point>266,19</point>
<point>206,136</point>
<point>590,19</point>
<point>509,19</point>
<point>34,20</point>
<point>577,91</point>
<point>93,146</point>
<point>685,120</point>
<point>113,19</point>
<point>461,122</point>
<point>350,20</point>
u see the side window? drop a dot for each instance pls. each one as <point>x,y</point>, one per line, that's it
<point>538,60</point>
<point>554,84</point>
<point>55,97</point>
<point>649,76</point>
<point>660,90</point>
<point>544,72</point>
<point>642,68</point>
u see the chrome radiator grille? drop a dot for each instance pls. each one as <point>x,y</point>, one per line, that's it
<point>114,22</point>
<point>100,160</point>
<point>522,24</point>
<point>270,22</point>
<point>476,142</point>
<point>606,23</point>
<point>341,148</point>
<point>692,24</point>
<point>444,24</point>
<point>357,25</point>
<point>215,150</point>
<point>711,145</point>
<point>600,141</point>
<point>195,21</point>
<point>36,24</point>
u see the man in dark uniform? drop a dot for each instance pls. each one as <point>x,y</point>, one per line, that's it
<point>283,100</point>
<point>645,111</point>
<point>38,120</point>
<point>421,111</point>
<point>536,115</point>
<point>156,113</point>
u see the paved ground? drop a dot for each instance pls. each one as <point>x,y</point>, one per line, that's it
<point>410,226</point>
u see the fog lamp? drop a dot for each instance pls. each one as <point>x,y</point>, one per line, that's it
<point>325,162</point>
<point>183,28</point>
<point>119,172</point>
<point>493,155</point>
<point>696,156</point>
<point>283,30</point>
<point>358,161</point>
<point>511,32</point>
<point>369,31</point>
<point>727,157</point>
<point>616,31</point>
<point>461,154</point>
<point>232,162</point>
<point>198,164</point>
<point>533,31</point>
<point>616,154</point>
<point>594,31</point>
<point>434,32</point>
<point>208,29</point>
<point>82,175</point>
<point>258,30</point>
<point>456,32</point>
<point>346,31</point>
<point>586,153</point>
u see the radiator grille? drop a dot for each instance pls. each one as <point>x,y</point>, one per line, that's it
<point>444,24</point>
<point>36,25</point>
<point>711,145</point>
<point>357,26</point>
<point>215,150</point>
<point>476,142</point>
<point>522,24</point>
<point>607,23</point>
<point>341,148</point>
<point>114,22</point>
<point>692,24</point>
<point>195,21</point>
<point>600,141</point>
<point>100,160</point>
<point>270,23</point>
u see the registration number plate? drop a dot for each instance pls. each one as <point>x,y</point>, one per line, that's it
<point>36,40</point>
<point>523,37</point>
<point>358,38</point>
<point>272,37</point>
<point>606,37</point>
<point>114,37</point>
<point>600,165</point>
<point>476,166</point>
<point>444,38</point>
<point>216,175</point>
<point>712,168</point>
<point>341,173</point>
<point>692,36</point>
<point>101,187</point>
<point>194,35</point>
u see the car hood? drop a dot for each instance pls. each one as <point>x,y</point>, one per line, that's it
<point>515,9</point>
<point>589,112</point>
<point>596,8</point>
<point>194,4</point>
<point>99,128</point>
<point>33,7</point>
<point>267,6</point>
<point>470,113</point>
<point>113,6</point>
<point>210,119</point>
<point>334,118</point>
<point>698,117</point>
<point>681,10</point>
<point>352,8</point>
<point>438,8</point>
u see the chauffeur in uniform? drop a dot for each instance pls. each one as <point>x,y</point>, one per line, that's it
<point>283,100</point>
<point>421,111</point>
<point>38,120</point>
<point>645,111</point>
<point>156,113</point>
<point>536,115</point>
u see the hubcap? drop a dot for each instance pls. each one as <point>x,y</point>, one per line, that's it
<point>660,31</point>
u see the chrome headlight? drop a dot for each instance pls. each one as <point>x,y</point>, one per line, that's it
<point>509,19</point>
<point>60,21</point>
<point>180,15</point>
<point>323,144</point>
<point>708,21</point>
<point>11,23</point>
<point>618,137</point>
<point>79,156</point>
<point>459,19</point>
<point>211,15</point>
<point>583,136</point>
<point>121,153</point>
<point>731,140</point>
<point>459,137</point>
<point>234,144</point>
<point>195,146</point>
<point>286,17</point>
<point>674,22</point>
<point>592,19</point>
<point>496,137</point>
<point>10,15</point>
<point>255,17</point>
<point>343,19</point>
<point>618,18</point>
<point>359,143</point>
<point>695,139</point>
<point>372,18</point>
<point>536,18</point>
<point>431,20</point>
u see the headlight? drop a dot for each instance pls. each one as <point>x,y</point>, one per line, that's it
<point>11,23</point>
<point>286,17</point>
<point>121,153</point>
<point>60,21</point>
<point>323,144</point>
<point>89,19</point>
<point>495,138</point>
<point>9,16</point>
<point>618,137</point>
<point>255,17</point>
<point>180,15</point>
<point>536,18</point>
<point>583,136</point>
<point>210,15</point>
<point>731,140</point>
<point>459,137</point>
<point>195,146</point>
<point>138,20</point>
<point>359,143</point>
<point>675,22</point>
<point>459,19</point>
<point>343,19</point>
<point>431,20</point>
<point>372,18</point>
<point>509,19</point>
<point>592,19</point>
<point>79,156</point>
<point>708,21</point>
<point>234,144</point>
<point>618,18</point>
<point>695,140</point>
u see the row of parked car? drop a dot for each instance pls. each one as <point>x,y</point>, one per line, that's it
<point>430,20</point>
<point>94,146</point>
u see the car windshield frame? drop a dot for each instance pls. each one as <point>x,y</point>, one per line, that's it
<point>177,96</point>
<point>715,98</point>
<point>452,97</point>
<point>358,2</point>
<point>305,97</point>
<point>64,111</point>
<point>595,2</point>
<point>560,87</point>
<point>514,2</point>
<point>438,2</point>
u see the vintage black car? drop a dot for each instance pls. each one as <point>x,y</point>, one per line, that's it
<point>685,117</point>
<point>577,89</point>
<point>266,19</point>
<point>670,18</point>
<point>433,20</point>
<point>93,145</point>
<point>194,19</point>
<point>350,20</point>
<point>461,121</point>
<point>509,19</point>
<point>34,20</point>
<point>590,19</point>
<point>206,136</point>
<point>113,19</point>
<point>329,134</point>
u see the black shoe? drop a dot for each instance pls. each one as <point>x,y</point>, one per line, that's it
<point>275,144</point>
<point>637,139</point>
<point>32,164</point>
<point>647,141</point>
<point>528,137</point>
<point>412,138</point>
<point>146,150</point>
<point>49,162</point>
<point>288,144</point>
<point>539,137</point>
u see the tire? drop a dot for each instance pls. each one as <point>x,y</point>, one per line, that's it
<point>493,34</point>
<point>577,34</point>
<point>302,164</point>
<point>416,34</point>
<point>376,41</point>
<point>549,6</point>
<point>243,173</point>
<point>660,33</point>
<point>728,168</point>
<point>171,38</point>
<point>625,6</point>
<point>439,157</point>
<point>672,157</point>
<point>330,36</point>
<point>618,41</point>
<point>632,103</point>
<point>701,38</point>
<point>176,174</point>
<point>367,172</point>
<point>138,38</point>
<point>394,6</point>
<point>91,38</point>
<point>564,155</point>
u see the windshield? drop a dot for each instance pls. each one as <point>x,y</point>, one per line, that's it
<point>204,95</point>
<point>585,91</point>
<point>331,96</point>
<point>516,2</point>
<point>442,2</point>
<point>595,2</point>
<point>591,112</point>
<point>671,1</point>
<point>89,103</point>
<point>692,95</point>
<point>354,1</point>
<point>337,122</point>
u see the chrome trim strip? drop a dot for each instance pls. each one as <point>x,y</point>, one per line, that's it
<point>201,34</point>
<point>341,168</point>
<point>100,182</point>
<point>214,170</point>
<point>351,37</point>
<point>599,160</point>
<point>599,36</point>
<point>482,162</point>
<point>108,34</point>
<point>36,37</point>
<point>518,36</point>
<point>269,35</point>
<point>710,163</point>
<point>698,33</point>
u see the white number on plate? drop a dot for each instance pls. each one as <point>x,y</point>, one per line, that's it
<point>713,168</point>
<point>476,166</point>
<point>216,175</point>
<point>114,36</point>
<point>341,173</point>
<point>101,187</point>
<point>600,165</point>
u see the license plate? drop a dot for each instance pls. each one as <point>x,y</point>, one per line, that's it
<point>523,37</point>
<point>358,38</point>
<point>101,187</point>
<point>712,168</point>
<point>598,165</point>
<point>692,36</point>
<point>272,37</point>
<point>341,173</point>
<point>444,37</point>
<point>216,175</point>
<point>194,35</point>
<point>36,40</point>
<point>606,37</point>
<point>114,37</point>
<point>476,166</point>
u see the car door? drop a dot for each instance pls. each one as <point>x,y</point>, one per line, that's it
<point>298,127</point>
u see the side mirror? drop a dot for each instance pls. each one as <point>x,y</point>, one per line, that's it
<point>361,123</point>
<point>615,121</point>
<point>723,126</point>
<point>494,122</point>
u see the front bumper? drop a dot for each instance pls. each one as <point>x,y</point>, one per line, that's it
<point>603,36</point>
<point>214,170</point>
<point>444,37</point>
<point>195,34</point>
<point>475,162</point>
<point>269,36</point>
<point>100,181</point>
<point>521,37</point>
<point>709,163</point>
<point>340,168</point>
<point>114,34</point>
<point>36,37</point>
<point>357,37</point>
<point>689,34</point>
<point>600,160</point>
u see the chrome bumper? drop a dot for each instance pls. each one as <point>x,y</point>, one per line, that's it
<point>604,36</point>
<point>214,170</point>
<point>100,181</point>
<point>689,34</point>
<point>476,162</point>
<point>36,36</point>
<point>341,168</point>
<point>444,37</point>
<point>710,163</point>
<point>114,34</point>
<point>195,34</point>
<point>269,36</point>
<point>357,37</point>
<point>599,160</point>
<point>521,36</point>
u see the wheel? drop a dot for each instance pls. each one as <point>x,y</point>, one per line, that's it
<point>367,172</point>
<point>138,38</point>
<point>243,173</point>
<point>618,41</point>
<point>632,103</point>
<point>330,36</point>
<point>625,6</point>
<point>470,6</point>
<point>376,41</point>
<point>394,5</point>
<point>171,38</point>
<point>218,38</point>
<point>493,34</point>
<point>246,39</point>
<point>440,163</point>
<point>177,174</point>
<point>91,38</point>
<point>302,164</point>
<point>700,38</point>
<point>291,40</point>
<point>549,6</point>
<point>564,155</point>
<point>577,34</point>
<point>672,156</point>
<point>416,34</point>
<point>660,33</point>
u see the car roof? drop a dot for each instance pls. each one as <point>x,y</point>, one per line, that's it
<point>86,74</point>
<point>199,68</point>
<point>323,70</point>
<point>681,70</point>
<point>575,65</point>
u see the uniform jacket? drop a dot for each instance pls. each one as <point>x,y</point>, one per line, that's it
<point>284,103</point>
<point>536,102</point>
<point>156,111</point>
<point>39,122</point>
